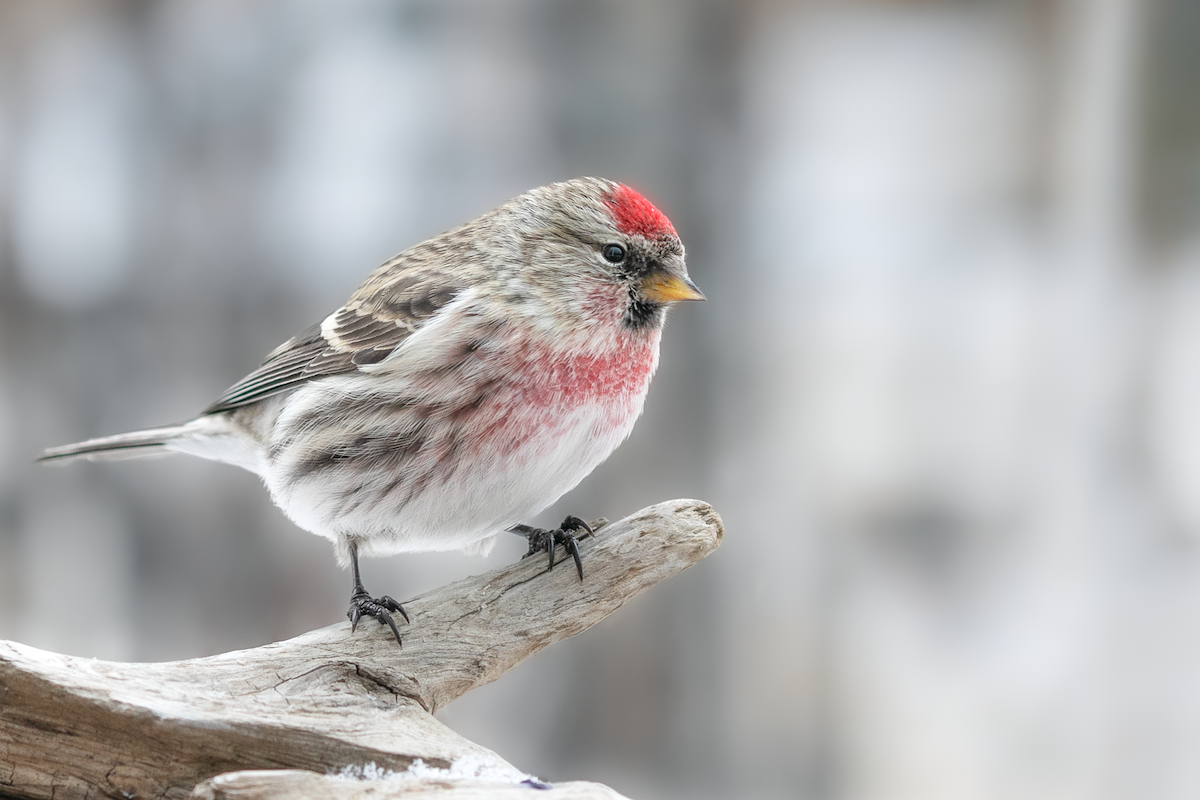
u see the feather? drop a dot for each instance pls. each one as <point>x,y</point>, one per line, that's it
<point>123,445</point>
<point>397,300</point>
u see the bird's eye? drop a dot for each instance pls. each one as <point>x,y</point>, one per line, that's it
<point>614,253</point>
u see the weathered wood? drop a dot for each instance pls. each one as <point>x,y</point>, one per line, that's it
<point>299,785</point>
<point>75,727</point>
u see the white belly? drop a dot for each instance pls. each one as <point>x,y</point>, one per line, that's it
<point>502,481</point>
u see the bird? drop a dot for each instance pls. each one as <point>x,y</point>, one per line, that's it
<point>465,386</point>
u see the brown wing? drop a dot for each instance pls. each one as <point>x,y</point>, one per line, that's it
<point>394,302</point>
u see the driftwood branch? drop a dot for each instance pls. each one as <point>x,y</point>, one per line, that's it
<point>287,718</point>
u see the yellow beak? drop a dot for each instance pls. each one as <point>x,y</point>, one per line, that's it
<point>663,287</point>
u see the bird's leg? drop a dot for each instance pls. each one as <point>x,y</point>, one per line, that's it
<point>362,604</point>
<point>568,535</point>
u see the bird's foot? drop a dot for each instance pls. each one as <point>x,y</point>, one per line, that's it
<point>363,605</point>
<point>568,535</point>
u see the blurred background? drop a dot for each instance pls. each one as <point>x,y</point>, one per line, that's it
<point>944,391</point>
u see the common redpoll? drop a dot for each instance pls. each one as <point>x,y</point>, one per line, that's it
<point>467,384</point>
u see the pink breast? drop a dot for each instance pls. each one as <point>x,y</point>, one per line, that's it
<point>541,391</point>
<point>613,375</point>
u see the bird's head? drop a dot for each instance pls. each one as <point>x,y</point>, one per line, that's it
<point>603,247</point>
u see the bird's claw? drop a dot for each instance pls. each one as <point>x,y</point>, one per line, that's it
<point>363,605</point>
<point>548,540</point>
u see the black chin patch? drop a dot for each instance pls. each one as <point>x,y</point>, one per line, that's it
<point>641,314</point>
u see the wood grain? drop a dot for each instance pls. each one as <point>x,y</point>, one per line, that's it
<point>82,728</point>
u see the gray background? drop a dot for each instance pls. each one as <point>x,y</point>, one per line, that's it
<point>944,391</point>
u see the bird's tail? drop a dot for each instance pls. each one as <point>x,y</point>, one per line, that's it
<point>124,445</point>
